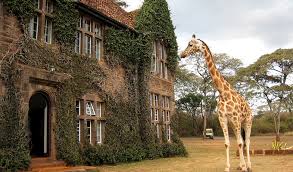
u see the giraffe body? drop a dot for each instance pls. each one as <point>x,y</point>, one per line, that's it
<point>231,107</point>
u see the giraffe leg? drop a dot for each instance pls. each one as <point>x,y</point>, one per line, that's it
<point>241,162</point>
<point>224,125</point>
<point>240,148</point>
<point>247,129</point>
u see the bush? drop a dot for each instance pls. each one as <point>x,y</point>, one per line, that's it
<point>100,154</point>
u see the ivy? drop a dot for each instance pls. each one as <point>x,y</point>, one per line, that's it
<point>154,19</point>
<point>65,21</point>
<point>23,9</point>
<point>65,17</point>
<point>14,150</point>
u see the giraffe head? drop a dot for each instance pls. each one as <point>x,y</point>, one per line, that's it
<point>194,46</point>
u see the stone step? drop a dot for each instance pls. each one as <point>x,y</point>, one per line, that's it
<point>66,169</point>
<point>45,162</point>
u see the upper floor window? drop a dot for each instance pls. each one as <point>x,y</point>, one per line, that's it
<point>34,27</point>
<point>48,30</point>
<point>89,38</point>
<point>40,25</point>
<point>159,60</point>
<point>49,6</point>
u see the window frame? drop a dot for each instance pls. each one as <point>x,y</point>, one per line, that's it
<point>99,141</point>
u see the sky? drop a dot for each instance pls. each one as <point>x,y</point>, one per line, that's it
<point>244,29</point>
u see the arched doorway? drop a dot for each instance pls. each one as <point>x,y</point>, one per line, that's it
<point>39,124</point>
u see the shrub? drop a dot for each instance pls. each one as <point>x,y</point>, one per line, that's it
<point>100,154</point>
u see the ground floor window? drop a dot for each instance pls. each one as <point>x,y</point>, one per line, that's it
<point>168,132</point>
<point>90,121</point>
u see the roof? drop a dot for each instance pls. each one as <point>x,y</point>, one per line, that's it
<point>133,15</point>
<point>110,9</point>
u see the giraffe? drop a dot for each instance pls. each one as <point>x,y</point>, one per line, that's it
<point>231,106</point>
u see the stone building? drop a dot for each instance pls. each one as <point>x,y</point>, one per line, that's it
<point>38,85</point>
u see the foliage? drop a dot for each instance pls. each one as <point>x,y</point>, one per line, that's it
<point>264,123</point>
<point>14,150</point>
<point>100,154</point>
<point>65,21</point>
<point>121,3</point>
<point>268,76</point>
<point>276,145</point>
<point>154,19</point>
<point>23,9</point>
<point>65,17</point>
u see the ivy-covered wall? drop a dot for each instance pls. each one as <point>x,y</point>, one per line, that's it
<point>154,19</point>
<point>129,135</point>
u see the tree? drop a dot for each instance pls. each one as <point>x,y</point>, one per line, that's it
<point>121,3</point>
<point>269,78</point>
<point>227,65</point>
<point>185,82</point>
<point>191,103</point>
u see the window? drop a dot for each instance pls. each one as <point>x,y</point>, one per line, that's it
<point>34,26</point>
<point>77,107</point>
<point>41,25</point>
<point>97,48</point>
<point>154,60</point>
<point>48,31</point>
<point>90,108</point>
<point>78,130</point>
<point>97,29</point>
<point>151,100</point>
<point>80,23</point>
<point>99,132</point>
<point>163,115</point>
<point>158,130</point>
<point>88,25</point>
<point>168,132</point>
<point>88,45</point>
<point>168,116</point>
<point>90,118</point>
<point>78,43</point>
<point>37,4</point>
<point>99,109</point>
<point>49,6</point>
<point>159,60</point>
<point>156,114</point>
<point>89,37</point>
<point>167,102</point>
<point>89,131</point>
<point>156,100</point>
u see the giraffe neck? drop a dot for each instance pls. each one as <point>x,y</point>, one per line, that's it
<point>219,82</point>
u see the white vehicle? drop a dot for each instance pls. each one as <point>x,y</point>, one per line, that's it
<point>210,133</point>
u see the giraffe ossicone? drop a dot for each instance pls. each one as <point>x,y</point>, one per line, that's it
<point>231,107</point>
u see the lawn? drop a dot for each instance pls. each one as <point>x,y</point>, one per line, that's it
<point>209,156</point>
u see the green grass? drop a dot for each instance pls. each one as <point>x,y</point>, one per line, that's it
<point>209,156</point>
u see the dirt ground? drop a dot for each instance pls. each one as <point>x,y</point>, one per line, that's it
<point>209,156</point>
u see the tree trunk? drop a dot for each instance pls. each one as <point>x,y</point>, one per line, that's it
<point>204,125</point>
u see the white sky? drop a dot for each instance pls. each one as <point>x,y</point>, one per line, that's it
<point>242,29</point>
